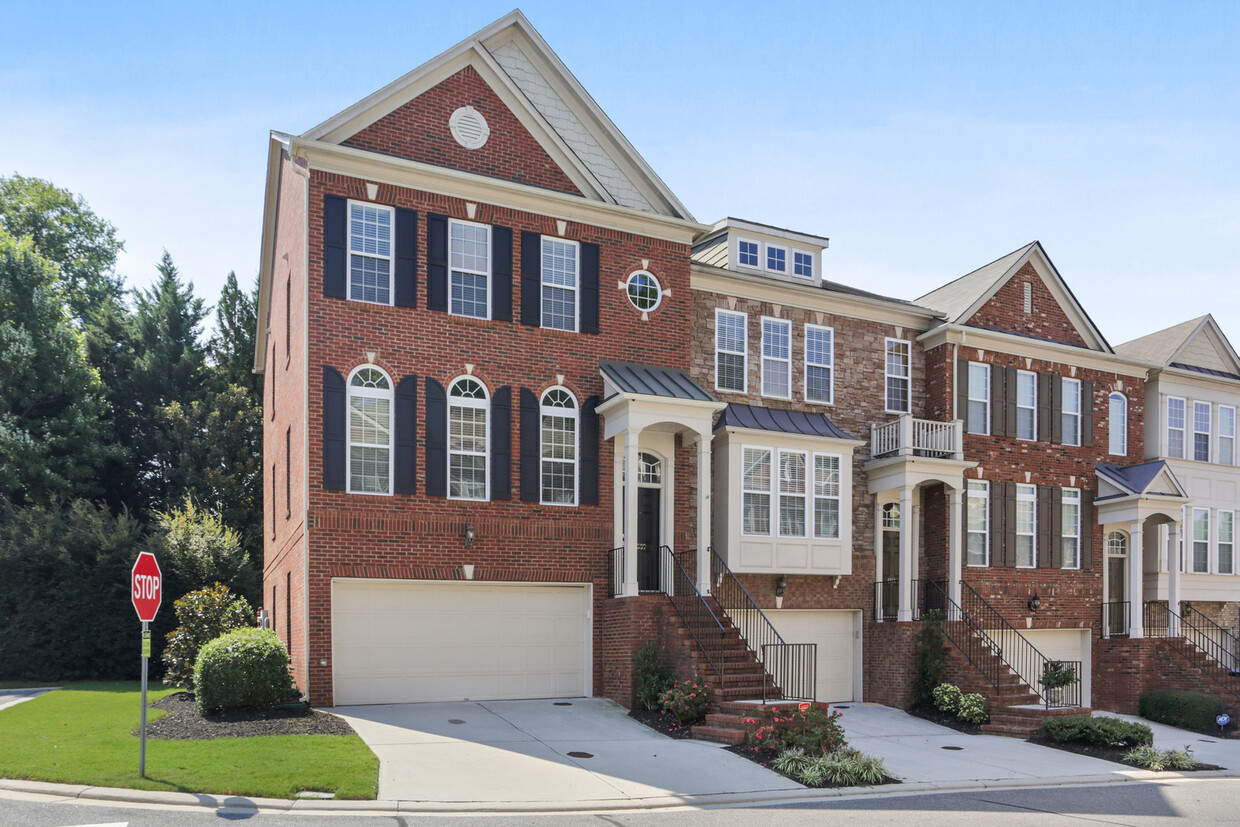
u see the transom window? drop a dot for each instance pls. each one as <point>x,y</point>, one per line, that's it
<point>747,253</point>
<point>776,358</point>
<point>1026,523</point>
<point>819,364</point>
<point>1026,405</point>
<point>1118,425</point>
<point>730,346</point>
<point>370,253</point>
<point>643,290</point>
<point>649,469</point>
<point>470,264</point>
<point>1175,427</point>
<point>1201,540</point>
<point>370,432</point>
<point>1070,550</point>
<point>467,440</point>
<point>1201,431</point>
<point>803,264</point>
<point>978,523</point>
<point>559,284</point>
<point>1070,416</point>
<point>756,491</point>
<point>776,259</point>
<point>827,496</point>
<point>899,376</point>
<point>1226,542</point>
<point>1226,435</point>
<point>891,516</point>
<point>979,399</point>
<point>1117,544</point>
<point>791,494</point>
<point>559,447</point>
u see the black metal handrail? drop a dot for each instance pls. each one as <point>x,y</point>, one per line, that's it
<point>1200,636</point>
<point>793,668</point>
<point>1115,618</point>
<point>993,645</point>
<point>617,571</point>
<point>886,599</point>
<point>1228,646</point>
<point>698,617</point>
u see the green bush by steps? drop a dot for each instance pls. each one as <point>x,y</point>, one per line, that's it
<point>1190,710</point>
<point>1102,731</point>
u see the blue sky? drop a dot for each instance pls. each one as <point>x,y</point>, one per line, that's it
<point>925,139</point>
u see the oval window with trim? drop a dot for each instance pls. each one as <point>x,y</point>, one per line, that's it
<point>644,291</point>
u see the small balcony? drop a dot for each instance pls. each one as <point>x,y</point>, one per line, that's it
<point>912,437</point>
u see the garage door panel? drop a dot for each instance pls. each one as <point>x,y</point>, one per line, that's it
<point>833,632</point>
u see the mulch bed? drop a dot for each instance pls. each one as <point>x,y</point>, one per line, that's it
<point>765,756</point>
<point>184,723</point>
<point>1115,754</point>
<point>935,716</point>
<point>663,722</point>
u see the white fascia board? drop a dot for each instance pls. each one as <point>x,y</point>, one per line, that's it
<point>760,288</point>
<point>371,166</point>
<point>1180,382</point>
<point>1014,345</point>
<point>769,230</point>
<point>277,145</point>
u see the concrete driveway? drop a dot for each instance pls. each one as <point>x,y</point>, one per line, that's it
<point>580,749</point>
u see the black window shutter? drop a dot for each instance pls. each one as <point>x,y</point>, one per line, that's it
<point>436,262</point>
<point>436,439</point>
<point>1057,527</point>
<point>1057,410</point>
<point>501,274</point>
<point>1087,413</point>
<point>531,281</point>
<point>334,408</point>
<point>1087,529</point>
<point>501,444</point>
<point>589,452</point>
<point>589,288</point>
<point>1009,524</point>
<point>962,391</point>
<point>998,535</point>
<point>530,434</point>
<point>1044,406</point>
<point>335,243</point>
<point>1013,393</point>
<point>406,436</point>
<point>998,401</point>
<point>1046,538</point>
<point>406,292</point>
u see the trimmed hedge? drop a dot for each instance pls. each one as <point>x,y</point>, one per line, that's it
<point>1189,710</point>
<point>245,668</point>
<point>1101,731</point>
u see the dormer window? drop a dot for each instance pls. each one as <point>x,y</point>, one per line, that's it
<point>747,253</point>
<point>776,259</point>
<point>803,265</point>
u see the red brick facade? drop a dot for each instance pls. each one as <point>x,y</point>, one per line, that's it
<point>1005,311</point>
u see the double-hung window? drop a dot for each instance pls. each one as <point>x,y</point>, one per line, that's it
<point>776,357</point>
<point>1026,526</point>
<point>1070,544</point>
<point>559,448</point>
<point>1070,415</point>
<point>827,496</point>
<point>1201,431</point>
<point>792,492</point>
<point>803,264</point>
<point>747,253</point>
<point>470,266</point>
<point>1201,541</point>
<point>468,407</point>
<point>370,253</point>
<point>1226,542</point>
<point>819,364</point>
<point>899,376</point>
<point>1226,435</point>
<point>1117,439</point>
<point>559,283</point>
<point>978,415</point>
<point>1175,427</point>
<point>731,342</point>
<point>370,432</point>
<point>756,491</point>
<point>1026,405</point>
<point>978,523</point>
<point>776,259</point>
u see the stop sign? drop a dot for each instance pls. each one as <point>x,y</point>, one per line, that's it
<point>146,586</point>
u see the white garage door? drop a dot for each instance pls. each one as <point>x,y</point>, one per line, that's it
<point>1063,644</point>
<point>402,641</point>
<point>839,650</point>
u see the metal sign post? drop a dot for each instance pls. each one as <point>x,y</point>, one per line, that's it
<point>146,592</point>
<point>146,656</point>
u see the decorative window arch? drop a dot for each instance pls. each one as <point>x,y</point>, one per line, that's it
<point>469,407</point>
<point>1117,544</point>
<point>1118,427</point>
<point>370,431</point>
<point>559,430</point>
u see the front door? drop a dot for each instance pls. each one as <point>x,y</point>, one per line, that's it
<point>648,538</point>
<point>1117,615</point>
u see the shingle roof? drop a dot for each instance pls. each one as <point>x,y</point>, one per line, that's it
<point>1160,345</point>
<point>788,422</point>
<point>955,297</point>
<point>1135,477</point>
<point>674,383</point>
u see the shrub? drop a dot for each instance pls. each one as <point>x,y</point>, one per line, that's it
<point>204,615</point>
<point>687,701</point>
<point>1158,760</point>
<point>244,668</point>
<point>652,678</point>
<point>1190,710</point>
<point>973,709</point>
<point>947,698</point>
<point>1102,731</point>
<point>196,549</point>
<point>845,767</point>
<point>931,656</point>
<point>810,730</point>
<point>1057,674</point>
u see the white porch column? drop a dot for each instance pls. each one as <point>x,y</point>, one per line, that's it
<point>879,574</point>
<point>703,514</point>
<point>906,554</point>
<point>955,553</point>
<point>1173,578</point>
<point>630,512</point>
<point>1136,590</point>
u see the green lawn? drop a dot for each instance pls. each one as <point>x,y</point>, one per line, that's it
<point>86,734</point>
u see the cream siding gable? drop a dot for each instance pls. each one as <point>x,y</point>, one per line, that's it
<point>1208,348</point>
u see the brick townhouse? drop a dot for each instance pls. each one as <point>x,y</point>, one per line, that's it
<point>524,413</point>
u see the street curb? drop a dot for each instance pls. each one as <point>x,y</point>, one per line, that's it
<point>178,800</point>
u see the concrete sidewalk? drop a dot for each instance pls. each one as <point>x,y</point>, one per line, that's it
<point>12,697</point>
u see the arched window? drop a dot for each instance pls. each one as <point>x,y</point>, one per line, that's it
<point>649,470</point>
<point>559,447</point>
<point>468,406</point>
<point>1119,424</point>
<point>1117,544</point>
<point>370,431</point>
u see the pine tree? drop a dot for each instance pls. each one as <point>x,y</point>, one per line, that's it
<point>232,346</point>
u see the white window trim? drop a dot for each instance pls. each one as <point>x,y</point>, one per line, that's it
<point>1192,553</point>
<point>805,498</point>
<point>743,353</point>
<point>1033,409</point>
<point>1063,529</point>
<point>485,405</point>
<point>390,259</point>
<point>984,496</point>
<point>390,395</point>
<point>542,284</point>
<point>772,499</point>
<point>1222,436</point>
<point>812,480</point>
<point>812,265</point>
<point>761,253</point>
<point>1182,430</point>
<point>1123,424</point>
<point>1029,494</point>
<point>546,410</point>
<point>1208,431</point>
<point>908,379</point>
<point>487,274</point>
<point>1065,383</point>
<point>658,285</point>
<point>1218,540</point>
<point>787,361</point>
<point>831,391</point>
<point>766,259</point>
<point>970,398</point>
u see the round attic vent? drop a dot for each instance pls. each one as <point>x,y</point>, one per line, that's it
<point>469,127</point>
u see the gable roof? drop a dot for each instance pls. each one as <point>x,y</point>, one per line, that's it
<point>542,93</point>
<point>961,298</point>
<point>1147,478</point>
<point>1187,345</point>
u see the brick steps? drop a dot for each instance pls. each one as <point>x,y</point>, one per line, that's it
<point>1022,722</point>
<point>1219,677</point>
<point>726,725</point>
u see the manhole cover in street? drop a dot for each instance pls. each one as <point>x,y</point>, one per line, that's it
<point>1206,741</point>
<point>837,706</point>
<point>562,703</point>
<point>580,755</point>
<point>952,748</point>
<point>455,721</point>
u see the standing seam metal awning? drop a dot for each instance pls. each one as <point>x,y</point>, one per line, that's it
<point>649,380</point>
